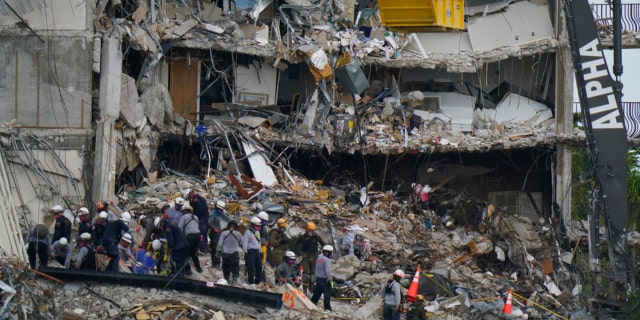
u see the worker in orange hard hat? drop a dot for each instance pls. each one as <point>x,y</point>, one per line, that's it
<point>309,244</point>
<point>279,242</point>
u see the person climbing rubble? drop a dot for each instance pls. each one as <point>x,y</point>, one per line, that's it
<point>264,235</point>
<point>324,278</point>
<point>229,248</point>
<point>62,227</point>
<point>124,250</point>
<point>279,243</point>
<point>285,272</point>
<point>200,210</point>
<point>61,251</point>
<point>392,296</point>
<point>189,226</point>
<point>253,251</point>
<point>112,234</point>
<point>309,243</point>
<point>99,225</point>
<point>215,229</point>
<point>38,243</point>
<point>86,258</point>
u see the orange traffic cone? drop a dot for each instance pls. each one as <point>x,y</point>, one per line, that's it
<point>508,305</point>
<point>413,288</point>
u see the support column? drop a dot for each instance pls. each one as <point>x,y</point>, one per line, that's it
<point>564,117</point>
<point>109,104</point>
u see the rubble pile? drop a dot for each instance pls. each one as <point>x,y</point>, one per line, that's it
<point>469,260</point>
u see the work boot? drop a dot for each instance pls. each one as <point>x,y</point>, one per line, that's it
<point>234,281</point>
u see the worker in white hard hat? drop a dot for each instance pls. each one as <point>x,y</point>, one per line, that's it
<point>112,234</point>
<point>200,210</point>
<point>264,235</point>
<point>86,258</point>
<point>392,297</point>
<point>285,272</point>
<point>189,226</point>
<point>324,277</point>
<point>84,224</point>
<point>62,224</point>
<point>253,251</point>
<point>215,230</point>
<point>124,250</point>
<point>97,230</point>
<point>173,214</point>
<point>61,252</point>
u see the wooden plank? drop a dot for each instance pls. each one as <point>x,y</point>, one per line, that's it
<point>183,87</point>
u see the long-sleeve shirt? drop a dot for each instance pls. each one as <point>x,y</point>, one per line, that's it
<point>323,267</point>
<point>59,250</point>
<point>286,271</point>
<point>200,207</point>
<point>214,221</point>
<point>62,228</point>
<point>391,294</point>
<point>229,241</point>
<point>125,253</point>
<point>175,237</point>
<point>173,215</point>
<point>251,240</point>
<point>82,254</point>
<point>113,230</point>
<point>33,237</point>
<point>189,224</point>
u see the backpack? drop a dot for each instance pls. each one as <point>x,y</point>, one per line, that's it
<point>41,231</point>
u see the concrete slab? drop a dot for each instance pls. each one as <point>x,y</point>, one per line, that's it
<point>454,107</point>
<point>516,108</point>
<point>293,298</point>
<point>521,23</point>
<point>261,170</point>
<point>445,42</point>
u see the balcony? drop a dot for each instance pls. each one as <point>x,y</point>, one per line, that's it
<point>603,15</point>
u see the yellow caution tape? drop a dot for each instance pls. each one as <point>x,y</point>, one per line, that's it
<point>539,306</point>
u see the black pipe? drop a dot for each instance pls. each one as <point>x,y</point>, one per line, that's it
<point>617,41</point>
<point>252,297</point>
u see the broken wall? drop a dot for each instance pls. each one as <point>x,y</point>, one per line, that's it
<point>70,15</point>
<point>46,84</point>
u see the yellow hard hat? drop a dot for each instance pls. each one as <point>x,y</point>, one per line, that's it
<point>311,226</point>
<point>282,222</point>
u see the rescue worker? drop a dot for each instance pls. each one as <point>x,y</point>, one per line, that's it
<point>189,226</point>
<point>111,238</point>
<point>85,222</point>
<point>264,235</point>
<point>285,272</point>
<point>229,248</point>
<point>279,242</point>
<point>124,250</point>
<point>103,205</point>
<point>61,252</point>
<point>174,214</point>
<point>38,241</point>
<point>97,231</point>
<point>348,238</point>
<point>309,243</point>
<point>324,278</point>
<point>200,210</point>
<point>416,309</point>
<point>392,297</point>
<point>63,225</point>
<point>157,248</point>
<point>253,251</point>
<point>152,231</point>
<point>215,229</point>
<point>86,258</point>
<point>177,245</point>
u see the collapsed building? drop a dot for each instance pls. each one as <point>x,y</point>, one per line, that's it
<point>132,101</point>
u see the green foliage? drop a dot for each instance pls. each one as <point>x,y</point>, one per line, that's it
<point>581,180</point>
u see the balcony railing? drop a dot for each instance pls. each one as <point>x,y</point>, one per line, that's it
<point>603,14</point>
